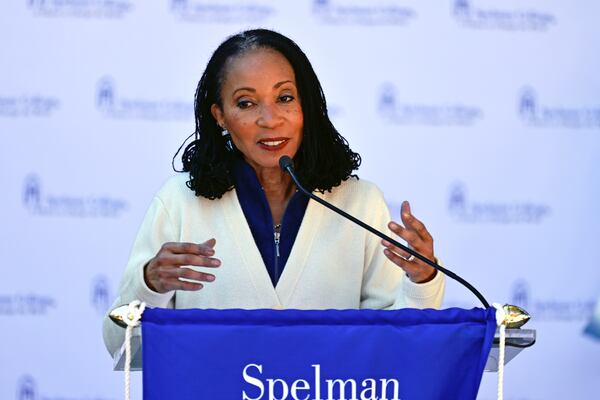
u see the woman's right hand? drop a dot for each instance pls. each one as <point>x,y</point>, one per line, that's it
<point>162,273</point>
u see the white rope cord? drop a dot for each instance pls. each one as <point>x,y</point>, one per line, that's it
<point>501,362</point>
<point>501,321</point>
<point>133,318</point>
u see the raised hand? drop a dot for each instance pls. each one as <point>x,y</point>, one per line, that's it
<point>163,272</point>
<point>419,239</point>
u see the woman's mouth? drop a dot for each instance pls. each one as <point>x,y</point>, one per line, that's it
<point>273,144</point>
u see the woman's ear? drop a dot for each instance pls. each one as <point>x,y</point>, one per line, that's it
<point>217,114</point>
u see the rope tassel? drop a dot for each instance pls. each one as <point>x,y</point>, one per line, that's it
<point>133,318</point>
<point>501,321</point>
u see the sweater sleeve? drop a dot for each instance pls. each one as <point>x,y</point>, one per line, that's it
<point>385,285</point>
<point>156,230</point>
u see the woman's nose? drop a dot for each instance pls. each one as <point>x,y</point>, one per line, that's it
<point>269,116</point>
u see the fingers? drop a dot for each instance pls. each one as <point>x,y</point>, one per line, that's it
<point>176,284</point>
<point>167,277</point>
<point>171,268</point>
<point>389,246</point>
<point>414,231</point>
<point>179,260</point>
<point>412,223</point>
<point>396,258</point>
<point>416,270</point>
<point>182,278</point>
<point>400,258</point>
<point>194,275</point>
<point>418,238</point>
<point>201,249</point>
<point>413,240</point>
<point>409,235</point>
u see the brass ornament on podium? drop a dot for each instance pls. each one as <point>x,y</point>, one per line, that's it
<point>515,317</point>
<point>119,314</point>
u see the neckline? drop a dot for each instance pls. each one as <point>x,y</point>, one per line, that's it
<point>279,295</point>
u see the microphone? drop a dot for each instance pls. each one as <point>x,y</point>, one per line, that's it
<point>287,165</point>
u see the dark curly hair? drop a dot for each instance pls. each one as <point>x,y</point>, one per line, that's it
<point>324,158</point>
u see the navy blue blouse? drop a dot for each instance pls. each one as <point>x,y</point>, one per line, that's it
<point>274,249</point>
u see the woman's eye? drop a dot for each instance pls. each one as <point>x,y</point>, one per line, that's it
<point>244,104</point>
<point>286,98</point>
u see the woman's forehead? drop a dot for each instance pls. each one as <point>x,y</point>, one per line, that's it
<point>258,66</point>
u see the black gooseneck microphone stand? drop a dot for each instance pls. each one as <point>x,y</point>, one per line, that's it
<point>287,165</point>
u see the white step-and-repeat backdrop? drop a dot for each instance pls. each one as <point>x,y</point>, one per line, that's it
<point>485,114</point>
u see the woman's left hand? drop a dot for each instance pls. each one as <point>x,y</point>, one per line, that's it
<point>419,239</point>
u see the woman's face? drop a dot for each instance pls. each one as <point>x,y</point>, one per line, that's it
<point>261,108</point>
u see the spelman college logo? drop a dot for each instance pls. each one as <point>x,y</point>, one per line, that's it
<point>533,113</point>
<point>27,390</point>
<point>470,16</point>
<point>371,13</point>
<point>556,309</point>
<point>28,106</point>
<point>80,8</point>
<point>32,192</point>
<point>113,106</point>
<point>40,204</point>
<point>224,11</point>
<point>100,294</point>
<point>464,210</point>
<point>395,111</point>
<point>31,304</point>
<point>323,389</point>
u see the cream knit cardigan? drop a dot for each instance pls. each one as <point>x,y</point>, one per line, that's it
<point>333,263</point>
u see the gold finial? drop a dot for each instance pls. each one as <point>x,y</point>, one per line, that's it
<point>515,317</point>
<point>119,314</point>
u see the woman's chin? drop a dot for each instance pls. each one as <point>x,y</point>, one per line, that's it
<point>267,160</point>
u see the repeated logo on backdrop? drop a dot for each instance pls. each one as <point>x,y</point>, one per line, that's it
<point>27,390</point>
<point>100,296</point>
<point>80,8</point>
<point>33,304</point>
<point>550,308</point>
<point>466,210</point>
<point>554,308</point>
<point>112,105</point>
<point>253,12</point>
<point>398,111</point>
<point>39,203</point>
<point>535,113</point>
<point>470,15</point>
<point>370,13</point>
<point>548,111</point>
<point>28,106</point>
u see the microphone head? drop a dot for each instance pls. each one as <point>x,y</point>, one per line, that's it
<point>286,162</point>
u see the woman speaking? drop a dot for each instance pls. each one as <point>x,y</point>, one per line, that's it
<point>233,231</point>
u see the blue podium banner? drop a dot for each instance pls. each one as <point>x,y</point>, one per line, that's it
<point>403,354</point>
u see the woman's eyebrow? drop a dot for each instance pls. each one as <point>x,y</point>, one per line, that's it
<point>281,83</point>
<point>251,89</point>
<point>244,88</point>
